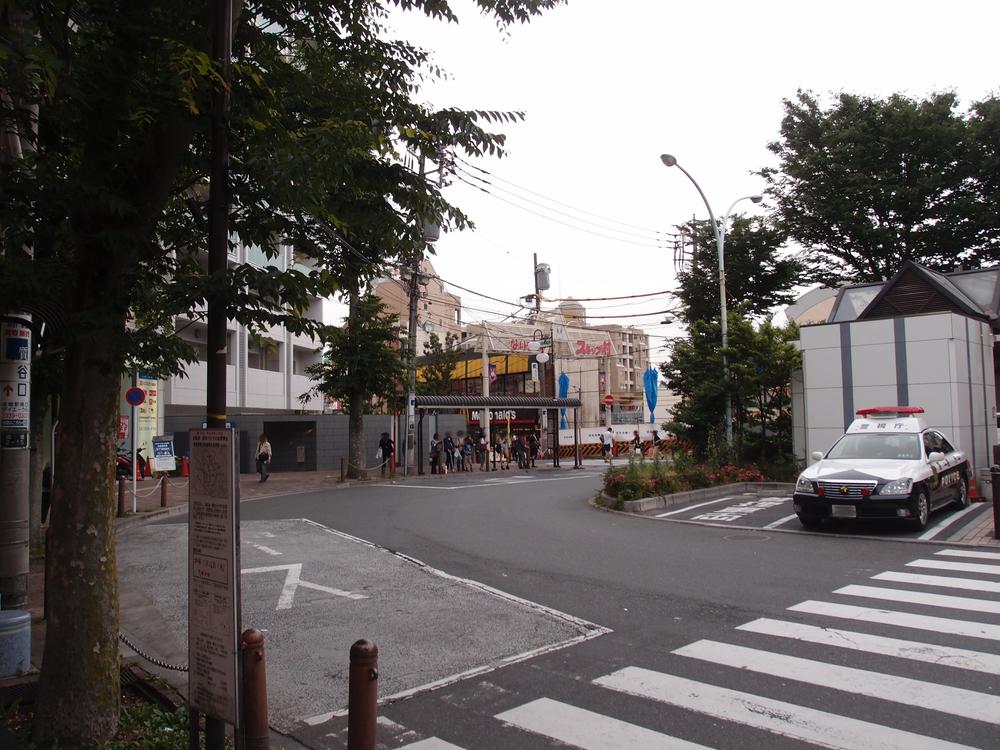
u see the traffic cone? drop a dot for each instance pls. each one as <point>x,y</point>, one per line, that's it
<point>185,469</point>
<point>974,495</point>
<point>149,469</point>
<point>138,471</point>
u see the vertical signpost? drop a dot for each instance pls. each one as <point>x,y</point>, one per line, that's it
<point>214,574</point>
<point>15,403</point>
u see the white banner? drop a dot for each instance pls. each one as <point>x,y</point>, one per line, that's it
<point>567,342</point>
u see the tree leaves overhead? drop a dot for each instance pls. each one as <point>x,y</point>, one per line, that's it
<point>759,275</point>
<point>868,183</point>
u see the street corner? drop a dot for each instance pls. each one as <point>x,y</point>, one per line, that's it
<point>314,591</point>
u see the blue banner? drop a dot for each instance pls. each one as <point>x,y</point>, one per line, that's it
<point>650,382</point>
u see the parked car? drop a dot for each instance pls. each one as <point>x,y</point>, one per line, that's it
<point>889,464</point>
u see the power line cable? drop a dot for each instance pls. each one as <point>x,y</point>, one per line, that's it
<point>567,205</point>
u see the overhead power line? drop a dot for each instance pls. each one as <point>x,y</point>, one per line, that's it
<point>566,205</point>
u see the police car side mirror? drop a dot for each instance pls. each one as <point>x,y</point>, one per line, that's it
<point>935,456</point>
<point>816,456</point>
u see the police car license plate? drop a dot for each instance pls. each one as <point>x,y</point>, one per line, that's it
<point>843,511</point>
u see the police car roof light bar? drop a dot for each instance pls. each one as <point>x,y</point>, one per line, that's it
<point>890,411</point>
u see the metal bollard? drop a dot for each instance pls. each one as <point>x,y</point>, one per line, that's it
<point>362,696</point>
<point>121,497</point>
<point>995,475</point>
<point>392,464</point>
<point>343,469</point>
<point>256,735</point>
<point>163,491</point>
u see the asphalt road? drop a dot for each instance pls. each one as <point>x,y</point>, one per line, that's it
<point>640,631</point>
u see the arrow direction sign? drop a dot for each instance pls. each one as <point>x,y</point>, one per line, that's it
<point>293,580</point>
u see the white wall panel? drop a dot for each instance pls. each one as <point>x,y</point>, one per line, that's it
<point>930,327</point>
<point>873,365</point>
<point>820,337</point>
<point>822,368</point>
<point>872,332</point>
<point>928,361</point>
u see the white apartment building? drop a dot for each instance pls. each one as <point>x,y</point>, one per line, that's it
<point>264,373</point>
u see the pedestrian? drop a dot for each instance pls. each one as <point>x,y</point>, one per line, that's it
<point>386,450</point>
<point>263,457</point>
<point>636,443</point>
<point>484,453</point>
<point>504,452</point>
<point>607,439</point>
<point>532,448</point>
<point>449,452</point>
<point>435,453</point>
<point>654,449</point>
<point>517,451</point>
<point>467,449</point>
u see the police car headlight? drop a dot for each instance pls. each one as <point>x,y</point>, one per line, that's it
<point>897,487</point>
<point>804,485</point>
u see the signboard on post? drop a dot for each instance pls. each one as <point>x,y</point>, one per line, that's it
<point>214,574</point>
<point>15,384</point>
<point>609,400</point>
<point>163,453</point>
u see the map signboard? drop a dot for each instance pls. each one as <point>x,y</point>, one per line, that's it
<point>214,574</point>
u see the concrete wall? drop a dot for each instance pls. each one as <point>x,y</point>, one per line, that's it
<point>941,362</point>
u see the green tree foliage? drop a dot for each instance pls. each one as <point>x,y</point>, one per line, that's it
<point>761,359</point>
<point>865,183</point>
<point>109,102</point>
<point>438,364</point>
<point>362,361</point>
<point>759,276</point>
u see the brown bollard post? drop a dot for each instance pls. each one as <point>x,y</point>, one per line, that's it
<point>121,497</point>
<point>256,735</point>
<point>362,696</point>
<point>163,491</point>
<point>343,469</point>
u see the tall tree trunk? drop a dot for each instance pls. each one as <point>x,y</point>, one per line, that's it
<point>79,692</point>
<point>356,404</point>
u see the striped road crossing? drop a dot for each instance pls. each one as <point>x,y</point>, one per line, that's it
<point>903,616</point>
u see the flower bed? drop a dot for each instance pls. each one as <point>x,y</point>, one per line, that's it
<point>641,478</point>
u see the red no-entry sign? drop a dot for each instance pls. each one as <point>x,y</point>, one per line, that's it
<point>609,400</point>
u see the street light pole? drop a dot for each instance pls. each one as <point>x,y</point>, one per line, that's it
<point>720,241</point>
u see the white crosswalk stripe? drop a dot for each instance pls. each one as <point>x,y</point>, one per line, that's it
<point>901,619</point>
<point>993,570</point>
<point>588,730</point>
<point>786,719</point>
<point>970,553</point>
<point>920,597</point>
<point>966,703</point>
<point>431,743</point>
<point>966,584</point>
<point>957,658</point>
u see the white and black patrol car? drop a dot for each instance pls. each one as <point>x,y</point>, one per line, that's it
<point>889,464</point>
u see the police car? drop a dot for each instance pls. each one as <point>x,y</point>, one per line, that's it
<point>889,464</point>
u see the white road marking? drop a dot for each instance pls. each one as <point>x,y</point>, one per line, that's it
<point>431,743</point>
<point>693,507</point>
<point>956,701</point>
<point>786,719</point>
<point>956,566</point>
<point>946,656</point>
<point>780,522</point>
<point>933,531</point>
<point>901,619</point>
<point>264,549</point>
<point>293,580</point>
<point>969,584</point>
<point>588,730</point>
<point>969,553</point>
<point>920,597</point>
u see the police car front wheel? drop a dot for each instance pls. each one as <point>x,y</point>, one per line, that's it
<point>963,500</point>
<point>921,510</point>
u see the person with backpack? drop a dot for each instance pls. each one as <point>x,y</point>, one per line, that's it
<point>449,453</point>
<point>263,456</point>
<point>607,439</point>
<point>532,448</point>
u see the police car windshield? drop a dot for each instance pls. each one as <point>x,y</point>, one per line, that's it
<point>889,447</point>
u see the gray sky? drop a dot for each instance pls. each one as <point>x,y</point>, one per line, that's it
<point>607,87</point>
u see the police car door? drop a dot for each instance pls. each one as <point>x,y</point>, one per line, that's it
<point>943,475</point>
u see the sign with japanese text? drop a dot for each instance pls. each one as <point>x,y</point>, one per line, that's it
<point>559,340</point>
<point>163,453</point>
<point>15,383</point>
<point>213,574</point>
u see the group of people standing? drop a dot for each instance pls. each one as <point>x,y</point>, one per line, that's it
<point>465,453</point>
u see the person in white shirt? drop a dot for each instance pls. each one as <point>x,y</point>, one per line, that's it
<point>263,456</point>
